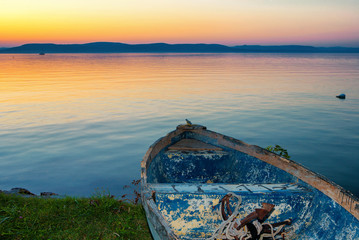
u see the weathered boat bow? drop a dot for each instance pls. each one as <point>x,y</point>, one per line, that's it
<point>185,174</point>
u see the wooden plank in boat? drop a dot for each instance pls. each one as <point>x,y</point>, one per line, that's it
<point>222,188</point>
<point>193,145</point>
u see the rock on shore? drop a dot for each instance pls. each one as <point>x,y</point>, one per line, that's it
<point>25,192</point>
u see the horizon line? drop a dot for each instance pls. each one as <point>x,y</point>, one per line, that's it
<point>119,47</point>
<point>197,43</point>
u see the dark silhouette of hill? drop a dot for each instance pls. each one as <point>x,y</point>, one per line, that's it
<point>295,49</point>
<point>108,47</point>
<point>112,47</point>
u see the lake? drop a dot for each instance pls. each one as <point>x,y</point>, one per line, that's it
<point>75,124</point>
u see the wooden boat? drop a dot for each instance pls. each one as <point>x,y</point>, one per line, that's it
<point>195,181</point>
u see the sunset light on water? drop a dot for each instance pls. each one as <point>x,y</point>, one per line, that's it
<point>89,118</point>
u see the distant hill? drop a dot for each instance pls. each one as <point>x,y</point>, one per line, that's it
<point>112,47</point>
<point>295,49</point>
<point>108,47</point>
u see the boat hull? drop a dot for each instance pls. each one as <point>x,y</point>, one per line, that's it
<point>186,173</point>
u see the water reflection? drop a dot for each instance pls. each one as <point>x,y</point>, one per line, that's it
<point>71,123</point>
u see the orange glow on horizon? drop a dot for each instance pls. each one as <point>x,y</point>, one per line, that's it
<point>229,22</point>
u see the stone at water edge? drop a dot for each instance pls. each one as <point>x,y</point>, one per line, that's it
<point>46,194</point>
<point>341,96</point>
<point>21,191</point>
<point>24,192</point>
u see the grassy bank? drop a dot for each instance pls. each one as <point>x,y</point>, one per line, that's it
<point>98,217</point>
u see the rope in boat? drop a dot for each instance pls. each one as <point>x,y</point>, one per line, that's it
<point>228,229</point>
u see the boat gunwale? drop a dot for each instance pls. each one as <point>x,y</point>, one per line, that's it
<point>329,188</point>
<point>151,207</point>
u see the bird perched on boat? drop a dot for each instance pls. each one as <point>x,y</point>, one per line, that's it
<point>188,122</point>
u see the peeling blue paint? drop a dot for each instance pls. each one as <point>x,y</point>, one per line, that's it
<point>189,206</point>
<point>214,166</point>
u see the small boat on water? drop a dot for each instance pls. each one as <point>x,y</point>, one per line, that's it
<point>199,184</point>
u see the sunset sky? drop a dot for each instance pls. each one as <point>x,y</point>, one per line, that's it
<point>229,22</point>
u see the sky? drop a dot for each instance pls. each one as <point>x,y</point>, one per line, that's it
<point>229,22</point>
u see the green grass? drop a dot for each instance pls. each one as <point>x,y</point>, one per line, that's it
<point>98,217</point>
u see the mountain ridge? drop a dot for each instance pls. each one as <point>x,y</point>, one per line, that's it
<point>117,47</point>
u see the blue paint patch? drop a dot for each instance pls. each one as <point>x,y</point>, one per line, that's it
<point>174,166</point>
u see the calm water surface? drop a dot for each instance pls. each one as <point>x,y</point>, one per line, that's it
<point>74,123</point>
